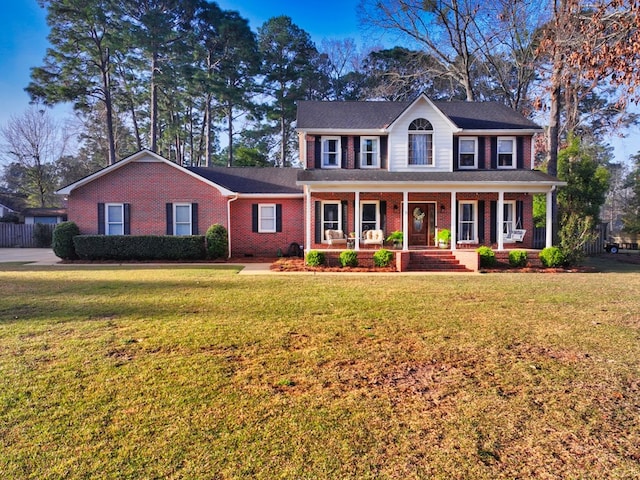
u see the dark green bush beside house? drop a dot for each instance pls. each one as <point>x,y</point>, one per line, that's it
<point>217,242</point>
<point>62,240</point>
<point>140,247</point>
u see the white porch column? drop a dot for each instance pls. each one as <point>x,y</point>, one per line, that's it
<point>307,218</point>
<point>405,227</point>
<point>500,215</point>
<point>356,221</point>
<point>549,220</point>
<point>454,221</point>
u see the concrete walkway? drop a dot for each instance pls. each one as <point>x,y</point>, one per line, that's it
<point>46,257</point>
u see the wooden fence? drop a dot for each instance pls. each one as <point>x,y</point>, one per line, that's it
<point>22,235</point>
<point>591,248</point>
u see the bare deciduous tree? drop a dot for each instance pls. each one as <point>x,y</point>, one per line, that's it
<point>35,141</point>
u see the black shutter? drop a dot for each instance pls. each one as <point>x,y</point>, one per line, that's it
<point>169,208</point>
<point>101,219</point>
<point>494,153</point>
<point>493,218</point>
<point>317,153</point>
<point>481,153</point>
<point>356,150</point>
<point>343,149</point>
<point>345,209</point>
<point>278,217</point>
<point>383,215</point>
<point>318,222</point>
<point>481,215</point>
<point>519,212</point>
<point>384,151</point>
<point>456,150</point>
<point>254,218</point>
<point>127,219</point>
<point>520,151</point>
<point>194,219</point>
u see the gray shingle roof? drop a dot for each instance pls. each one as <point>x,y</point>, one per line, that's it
<point>379,115</point>
<point>467,176</point>
<point>252,179</point>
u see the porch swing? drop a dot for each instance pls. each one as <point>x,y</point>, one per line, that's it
<point>518,233</point>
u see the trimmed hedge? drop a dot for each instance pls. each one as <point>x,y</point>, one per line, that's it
<point>348,258</point>
<point>382,258</point>
<point>552,257</point>
<point>62,240</point>
<point>518,258</point>
<point>487,257</point>
<point>315,258</point>
<point>140,247</point>
<point>217,241</point>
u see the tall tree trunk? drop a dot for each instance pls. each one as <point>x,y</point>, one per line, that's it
<point>207,131</point>
<point>153,113</point>
<point>108,103</point>
<point>230,133</point>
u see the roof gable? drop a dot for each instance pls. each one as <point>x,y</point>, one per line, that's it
<point>228,181</point>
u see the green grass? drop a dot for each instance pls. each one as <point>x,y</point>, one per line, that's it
<point>200,373</point>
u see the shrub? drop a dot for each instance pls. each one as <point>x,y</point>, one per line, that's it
<point>140,247</point>
<point>552,257</point>
<point>43,234</point>
<point>382,258</point>
<point>62,240</point>
<point>487,257</point>
<point>518,258</point>
<point>348,258</point>
<point>315,258</point>
<point>217,241</point>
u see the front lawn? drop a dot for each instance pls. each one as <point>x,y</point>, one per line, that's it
<point>115,372</point>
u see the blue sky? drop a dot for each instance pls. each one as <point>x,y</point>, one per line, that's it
<point>23,43</point>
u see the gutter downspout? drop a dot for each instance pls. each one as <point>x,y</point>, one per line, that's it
<point>229,222</point>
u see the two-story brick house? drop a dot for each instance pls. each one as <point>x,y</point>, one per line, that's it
<point>415,166</point>
<point>418,167</point>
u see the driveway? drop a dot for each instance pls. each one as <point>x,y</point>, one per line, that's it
<point>34,256</point>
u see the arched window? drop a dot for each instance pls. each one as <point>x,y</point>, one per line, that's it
<point>420,142</point>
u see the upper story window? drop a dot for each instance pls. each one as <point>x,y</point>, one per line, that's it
<point>331,152</point>
<point>468,152</point>
<point>369,152</point>
<point>420,142</point>
<point>506,152</point>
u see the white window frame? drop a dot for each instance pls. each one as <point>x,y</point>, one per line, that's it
<point>176,206</point>
<point>324,221</point>
<point>377,206</point>
<point>108,222</point>
<point>325,152</point>
<point>264,215</point>
<point>430,160</point>
<point>514,160</point>
<point>508,224</point>
<point>375,153</point>
<point>475,153</point>
<point>474,222</point>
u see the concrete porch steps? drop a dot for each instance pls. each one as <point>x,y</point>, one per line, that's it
<point>435,261</point>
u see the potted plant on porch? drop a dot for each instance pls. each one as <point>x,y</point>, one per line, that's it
<point>444,236</point>
<point>396,238</point>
